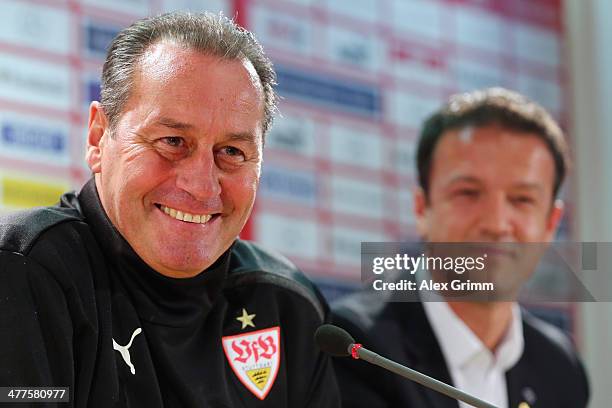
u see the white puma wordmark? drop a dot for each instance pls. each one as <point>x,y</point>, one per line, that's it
<point>125,352</point>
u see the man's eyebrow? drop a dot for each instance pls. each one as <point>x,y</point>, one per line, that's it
<point>525,185</point>
<point>243,137</point>
<point>174,124</point>
<point>529,186</point>
<point>464,179</point>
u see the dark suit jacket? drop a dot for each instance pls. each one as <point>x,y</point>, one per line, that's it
<point>548,374</point>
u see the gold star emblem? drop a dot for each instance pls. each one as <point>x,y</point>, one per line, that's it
<point>246,319</point>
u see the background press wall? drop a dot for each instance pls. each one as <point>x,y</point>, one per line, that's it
<point>357,77</point>
<point>589,37</point>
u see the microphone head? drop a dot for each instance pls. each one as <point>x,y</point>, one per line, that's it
<point>334,340</point>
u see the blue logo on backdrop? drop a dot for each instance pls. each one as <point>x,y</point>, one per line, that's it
<point>289,185</point>
<point>339,93</point>
<point>33,137</point>
<point>93,90</point>
<point>99,37</point>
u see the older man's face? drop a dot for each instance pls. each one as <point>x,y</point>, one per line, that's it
<point>179,177</point>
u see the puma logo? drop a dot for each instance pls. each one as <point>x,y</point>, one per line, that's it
<point>125,352</point>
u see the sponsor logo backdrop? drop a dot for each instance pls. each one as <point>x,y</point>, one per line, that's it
<point>357,77</point>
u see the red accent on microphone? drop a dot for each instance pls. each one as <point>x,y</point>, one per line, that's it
<point>354,350</point>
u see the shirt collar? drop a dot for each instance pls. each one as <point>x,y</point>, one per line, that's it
<point>460,345</point>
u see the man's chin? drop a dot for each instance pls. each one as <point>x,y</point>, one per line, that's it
<point>180,263</point>
<point>181,270</point>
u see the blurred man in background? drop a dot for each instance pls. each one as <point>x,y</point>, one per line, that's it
<point>136,291</point>
<point>490,166</point>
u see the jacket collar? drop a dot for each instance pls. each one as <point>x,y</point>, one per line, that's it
<point>423,351</point>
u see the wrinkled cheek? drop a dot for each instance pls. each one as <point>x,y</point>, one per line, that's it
<point>249,183</point>
<point>250,189</point>
<point>249,195</point>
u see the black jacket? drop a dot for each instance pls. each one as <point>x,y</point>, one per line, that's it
<point>79,308</point>
<point>548,374</point>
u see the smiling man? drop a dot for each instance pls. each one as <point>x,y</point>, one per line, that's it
<point>136,291</point>
<point>490,166</point>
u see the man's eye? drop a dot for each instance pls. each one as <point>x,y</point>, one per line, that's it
<point>230,157</point>
<point>467,192</point>
<point>172,147</point>
<point>522,200</point>
<point>232,151</point>
<point>173,141</point>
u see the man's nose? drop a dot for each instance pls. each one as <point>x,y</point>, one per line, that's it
<point>199,176</point>
<point>496,218</point>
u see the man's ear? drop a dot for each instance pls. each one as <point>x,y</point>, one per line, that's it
<point>556,213</point>
<point>98,127</point>
<point>420,211</point>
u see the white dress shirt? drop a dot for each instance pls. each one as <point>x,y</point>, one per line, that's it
<point>473,367</point>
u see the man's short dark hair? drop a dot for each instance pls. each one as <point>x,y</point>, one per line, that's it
<point>492,106</point>
<point>212,34</point>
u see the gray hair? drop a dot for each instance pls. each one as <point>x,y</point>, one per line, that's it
<point>212,34</point>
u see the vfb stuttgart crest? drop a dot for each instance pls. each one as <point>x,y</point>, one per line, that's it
<point>255,358</point>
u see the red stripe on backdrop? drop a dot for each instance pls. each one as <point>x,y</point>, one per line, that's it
<point>240,16</point>
<point>240,12</point>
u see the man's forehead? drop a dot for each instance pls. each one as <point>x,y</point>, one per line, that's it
<point>167,57</point>
<point>471,141</point>
<point>177,82</point>
<point>478,153</point>
<point>162,61</point>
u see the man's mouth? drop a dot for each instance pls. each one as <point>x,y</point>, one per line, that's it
<point>185,216</point>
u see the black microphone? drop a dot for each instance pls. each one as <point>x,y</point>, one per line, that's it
<point>334,340</point>
<point>338,342</point>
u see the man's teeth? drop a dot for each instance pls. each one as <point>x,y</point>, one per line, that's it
<point>183,216</point>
